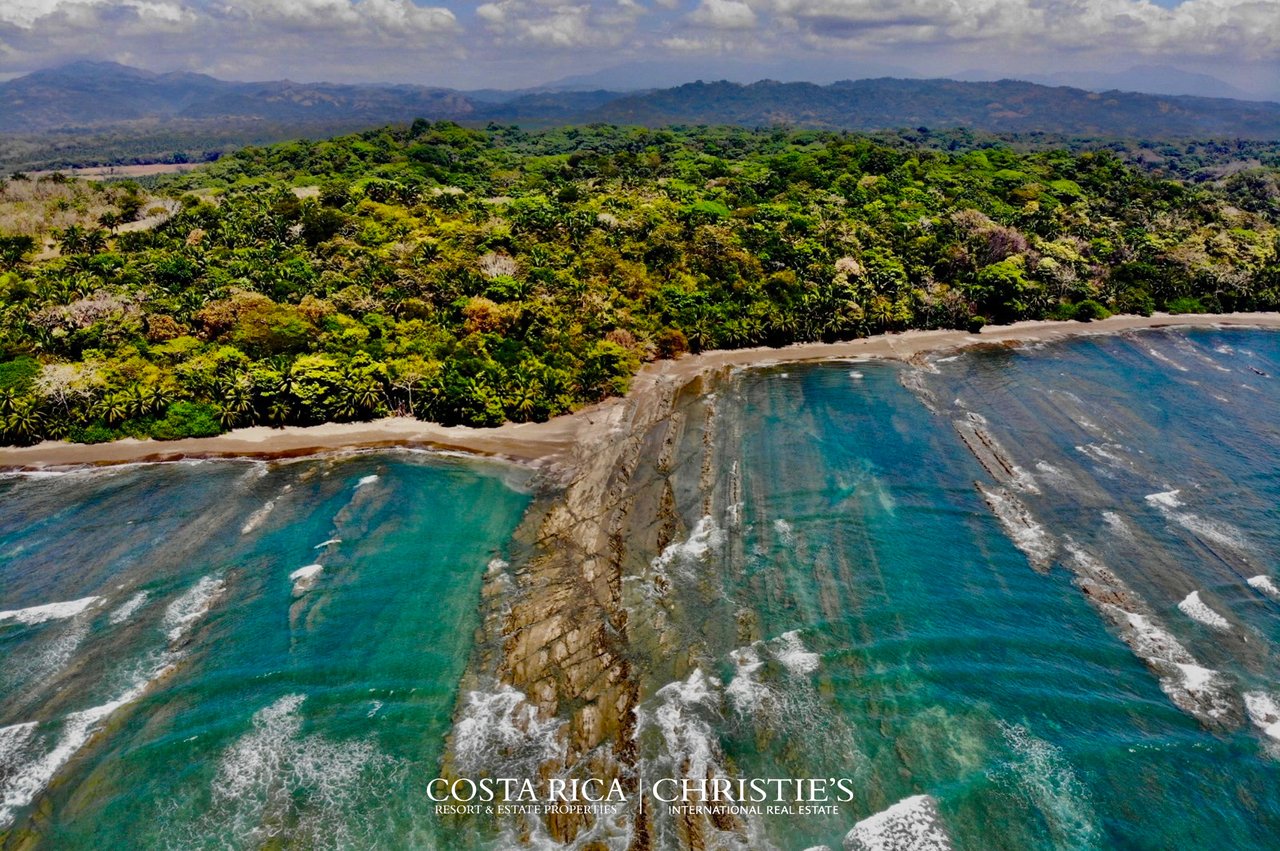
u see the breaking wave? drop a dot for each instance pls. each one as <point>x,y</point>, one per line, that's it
<point>183,612</point>
<point>1196,609</point>
<point>49,611</point>
<point>912,824</point>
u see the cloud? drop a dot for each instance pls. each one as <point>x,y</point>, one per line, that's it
<point>525,42</point>
<point>723,15</point>
<point>560,23</point>
<point>1244,28</point>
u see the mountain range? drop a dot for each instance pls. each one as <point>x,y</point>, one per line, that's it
<point>91,96</point>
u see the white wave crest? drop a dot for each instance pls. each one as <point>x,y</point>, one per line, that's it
<point>127,609</point>
<point>1196,609</point>
<point>305,578</point>
<point>1266,585</point>
<point>327,543</point>
<point>257,518</point>
<point>684,716</point>
<point>22,786</point>
<point>1209,531</point>
<point>367,480</point>
<point>1033,539</point>
<point>912,824</point>
<point>791,652</point>
<point>501,729</point>
<point>1264,712</point>
<point>684,556</point>
<point>1163,358</point>
<point>1165,499</point>
<point>49,611</point>
<point>183,612</point>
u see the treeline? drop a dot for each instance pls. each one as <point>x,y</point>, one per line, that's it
<point>470,276</point>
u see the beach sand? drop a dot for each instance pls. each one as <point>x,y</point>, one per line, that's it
<point>555,440</point>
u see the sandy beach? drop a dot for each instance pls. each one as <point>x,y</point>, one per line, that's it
<point>556,439</point>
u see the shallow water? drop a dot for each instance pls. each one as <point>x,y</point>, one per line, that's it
<point>252,709</point>
<point>882,578</point>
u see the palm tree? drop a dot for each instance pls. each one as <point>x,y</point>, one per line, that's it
<point>23,422</point>
<point>114,408</point>
<point>70,239</point>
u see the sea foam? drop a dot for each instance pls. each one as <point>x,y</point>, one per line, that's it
<point>127,609</point>
<point>1266,585</point>
<point>49,611</point>
<point>22,786</point>
<point>1046,779</point>
<point>1196,609</point>
<point>500,730</point>
<point>1035,542</point>
<point>305,578</point>
<point>912,824</point>
<point>183,612</point>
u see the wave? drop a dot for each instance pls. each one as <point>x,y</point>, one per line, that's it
<point>1033,539</point>
<point>684,556</point>
<point>1193,688</point>
<point>274,778</point>
<point>1165,359</point>
<point>1165,499</point>
<point>794,656</point>
<point>327,543</point>
<point>1118,525</point>
<point>1264,711</point>
<point>257,518</point>
<point>1209,531</point>
<point>14,747</point>
<point>49,611</point>
<point>1266,585</point>
<point>367,480</point>
<point>500,730</point>
<point>687,715</point>
<point>127,609</point>
<point>305,578</point>
<point>22,786</point>
<point>183,612</point>
<point>1046,780</point>
<point>1106,454</point>
<point>1196,609</point>
<point>912,824</point>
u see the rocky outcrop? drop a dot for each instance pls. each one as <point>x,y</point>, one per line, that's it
<point>554,687</point>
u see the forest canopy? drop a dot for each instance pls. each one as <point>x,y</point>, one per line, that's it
<point>479,276</point>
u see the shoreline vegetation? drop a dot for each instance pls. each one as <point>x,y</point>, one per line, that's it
<point>558,440</point>
<point>476,278</point>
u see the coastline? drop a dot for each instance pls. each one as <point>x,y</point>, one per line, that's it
<point>555,440</point>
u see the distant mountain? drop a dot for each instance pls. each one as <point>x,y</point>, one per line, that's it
<point>89,94</point>
<point>1152,79</point>
<point>638,76</point>
<point>1006,106</point>
<point>91,97</point>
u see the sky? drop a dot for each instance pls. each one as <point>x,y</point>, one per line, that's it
<point>524,43</point>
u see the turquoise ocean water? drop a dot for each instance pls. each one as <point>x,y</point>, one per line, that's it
<point>890,586</point>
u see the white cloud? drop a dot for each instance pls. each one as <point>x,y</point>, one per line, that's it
<point>560,23</point>
<point>723,15</point>
<point>1247,28</point>
<point>522,42</point>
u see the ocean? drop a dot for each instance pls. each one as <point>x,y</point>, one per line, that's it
<point>1017,597</point>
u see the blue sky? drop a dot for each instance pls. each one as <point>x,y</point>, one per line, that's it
<point>519,43</point>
